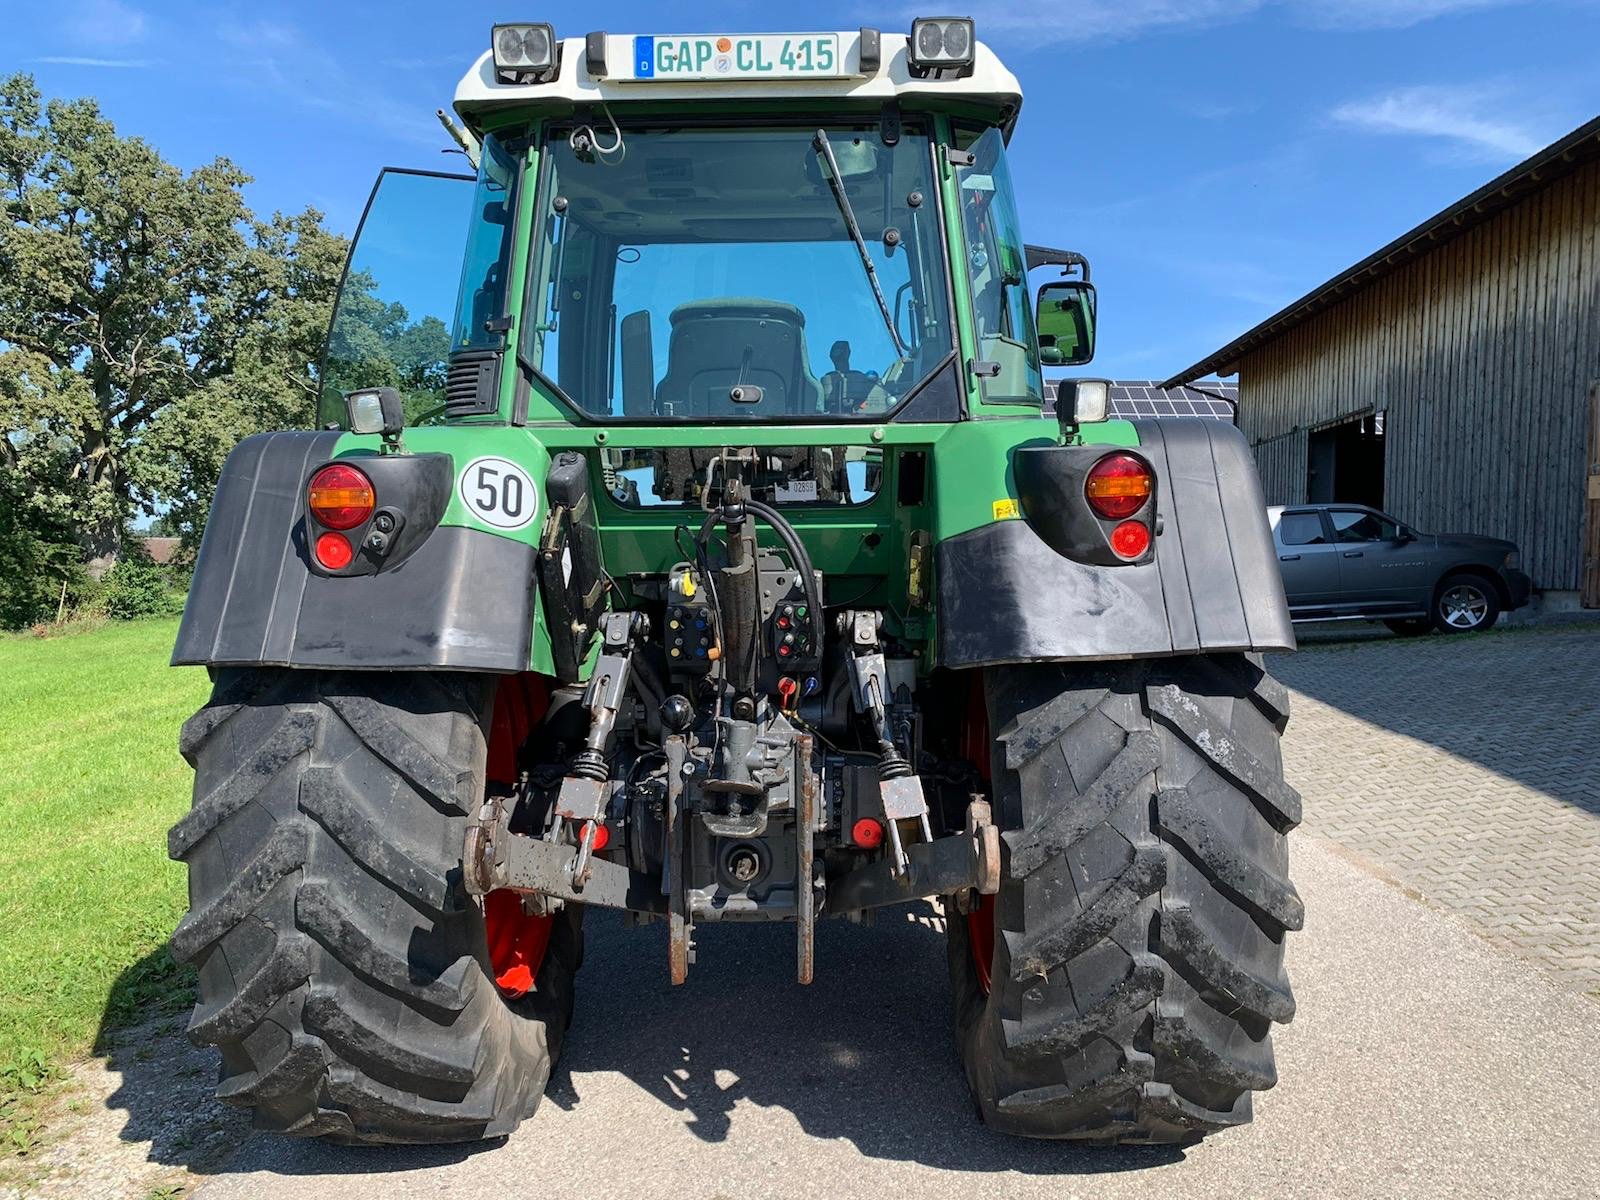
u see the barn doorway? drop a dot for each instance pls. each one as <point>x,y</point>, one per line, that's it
<point>1344,462</point>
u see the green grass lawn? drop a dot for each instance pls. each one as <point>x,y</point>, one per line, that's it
<point>90,779</point>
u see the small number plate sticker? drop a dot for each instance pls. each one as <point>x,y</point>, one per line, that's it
<point>499,493</point>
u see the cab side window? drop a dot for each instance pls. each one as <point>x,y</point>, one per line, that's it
<point>1350,525</point>
<point>1300,529</point>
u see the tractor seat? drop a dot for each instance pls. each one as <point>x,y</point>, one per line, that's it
<point>719,344</point>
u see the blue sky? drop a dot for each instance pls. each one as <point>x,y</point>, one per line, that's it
<point>1214,158</point>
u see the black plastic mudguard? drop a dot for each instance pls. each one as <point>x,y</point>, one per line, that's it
<point>459,600</point>
<point>1006,596</point>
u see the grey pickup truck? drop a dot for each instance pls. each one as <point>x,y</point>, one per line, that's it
<point>1349,562</point>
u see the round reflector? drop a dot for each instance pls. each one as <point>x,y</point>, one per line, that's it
<point>1131,539</point>
<point>1118,486</point>
<point>602,838</point>
<point>867,833</point>
<point>340,497</point>
<point>334,552</point>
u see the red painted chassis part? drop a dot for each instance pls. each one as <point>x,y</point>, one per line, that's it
<point>517,942</point>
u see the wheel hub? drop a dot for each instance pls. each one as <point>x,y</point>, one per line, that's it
<point>1464,607</point>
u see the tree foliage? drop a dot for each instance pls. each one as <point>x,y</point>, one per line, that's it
<point>147,322</point>
<point>374,343</point>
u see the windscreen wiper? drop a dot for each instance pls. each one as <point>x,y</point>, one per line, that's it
<point>836,183</point>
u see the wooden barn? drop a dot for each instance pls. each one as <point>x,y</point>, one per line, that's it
<point>1452,377</point>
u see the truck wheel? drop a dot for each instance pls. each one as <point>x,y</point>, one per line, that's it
<point>1122,985</point>
<point>343,972</point>
<point>1465,603</point>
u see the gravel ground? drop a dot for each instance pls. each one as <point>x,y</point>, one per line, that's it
<point>1423,1062</point>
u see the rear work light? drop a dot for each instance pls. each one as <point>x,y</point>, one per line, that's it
<point>340,497</point>
<point>937,42</point>
<point>1118,486</point>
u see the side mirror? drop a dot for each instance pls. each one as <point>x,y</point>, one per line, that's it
<point>1405,535</point>
<point>1064,318</point>
<point>1082,401</point>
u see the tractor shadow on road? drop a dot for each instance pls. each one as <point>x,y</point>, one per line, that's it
<point>865,1054</point>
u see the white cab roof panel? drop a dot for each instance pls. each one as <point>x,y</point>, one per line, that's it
<point>479,92</point>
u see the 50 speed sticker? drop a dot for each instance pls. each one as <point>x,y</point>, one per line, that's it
<point>499,493</point>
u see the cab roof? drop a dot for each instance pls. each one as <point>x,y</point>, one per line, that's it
<point>989,85</point>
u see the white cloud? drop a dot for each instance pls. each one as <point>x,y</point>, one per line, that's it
<point>1470,120</point>
<point>75,60</point>
<point>1050,21</point>
<point>1383,14</point>
<point>278,58</point>
<point>106,23</point>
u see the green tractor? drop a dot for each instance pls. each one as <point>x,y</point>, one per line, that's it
<point>686,532</point>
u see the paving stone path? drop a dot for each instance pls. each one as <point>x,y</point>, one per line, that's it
<point>1467,769</point>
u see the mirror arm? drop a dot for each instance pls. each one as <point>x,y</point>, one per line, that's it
<point>1047,256</point>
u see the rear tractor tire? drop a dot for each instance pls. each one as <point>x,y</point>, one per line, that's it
<point>1122,985</point>
<point>343,972</point>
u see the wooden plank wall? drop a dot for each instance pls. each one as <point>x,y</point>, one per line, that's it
<point>1481,352</point>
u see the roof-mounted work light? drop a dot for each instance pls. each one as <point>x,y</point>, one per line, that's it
<point>941,44</point>
<point>524,52</point>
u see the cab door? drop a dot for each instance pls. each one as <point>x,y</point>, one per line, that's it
<point>391,326</point>
<point>1307,559</point>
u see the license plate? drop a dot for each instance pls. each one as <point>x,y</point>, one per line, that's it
<point>752,56</point>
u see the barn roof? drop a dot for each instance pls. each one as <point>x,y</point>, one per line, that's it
<point>1555,160</point>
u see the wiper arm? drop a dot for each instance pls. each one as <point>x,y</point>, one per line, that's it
<point>836,184</point>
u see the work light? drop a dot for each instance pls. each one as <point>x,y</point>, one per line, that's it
<point>941,42</point>
<point>375,410</point>
<point>524,50</point>
<point>1080,401</point>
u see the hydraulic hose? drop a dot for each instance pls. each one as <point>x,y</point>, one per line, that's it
<point>802,561</point>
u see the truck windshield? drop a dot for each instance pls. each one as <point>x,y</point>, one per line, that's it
<point>695,274</point>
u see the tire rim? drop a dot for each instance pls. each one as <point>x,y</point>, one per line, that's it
<point>980,940</point>
<point>1464,607</point>
<point>516,940</point>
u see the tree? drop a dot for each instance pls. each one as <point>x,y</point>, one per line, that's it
<point>147,321</point>
<point>374,343</point>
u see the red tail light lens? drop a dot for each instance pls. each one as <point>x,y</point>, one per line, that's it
<point>1131,539</point>
<point>334,551</point>
<point>340,497</point>
<point>1118,486</point>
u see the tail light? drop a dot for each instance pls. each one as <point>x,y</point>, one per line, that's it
<point>1118,486</point>
<point>1130,539</point>
<point>340,497</point>
<point>334,551</point>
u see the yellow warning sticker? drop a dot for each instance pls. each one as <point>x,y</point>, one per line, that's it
<point>1007,508</point>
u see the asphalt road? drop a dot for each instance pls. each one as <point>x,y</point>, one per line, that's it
<point>1423,1062</point>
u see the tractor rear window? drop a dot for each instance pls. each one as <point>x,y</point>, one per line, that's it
<point>648,478</point>
<point>710,274</point>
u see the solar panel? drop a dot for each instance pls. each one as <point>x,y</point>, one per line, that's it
<point>1145,398</point>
